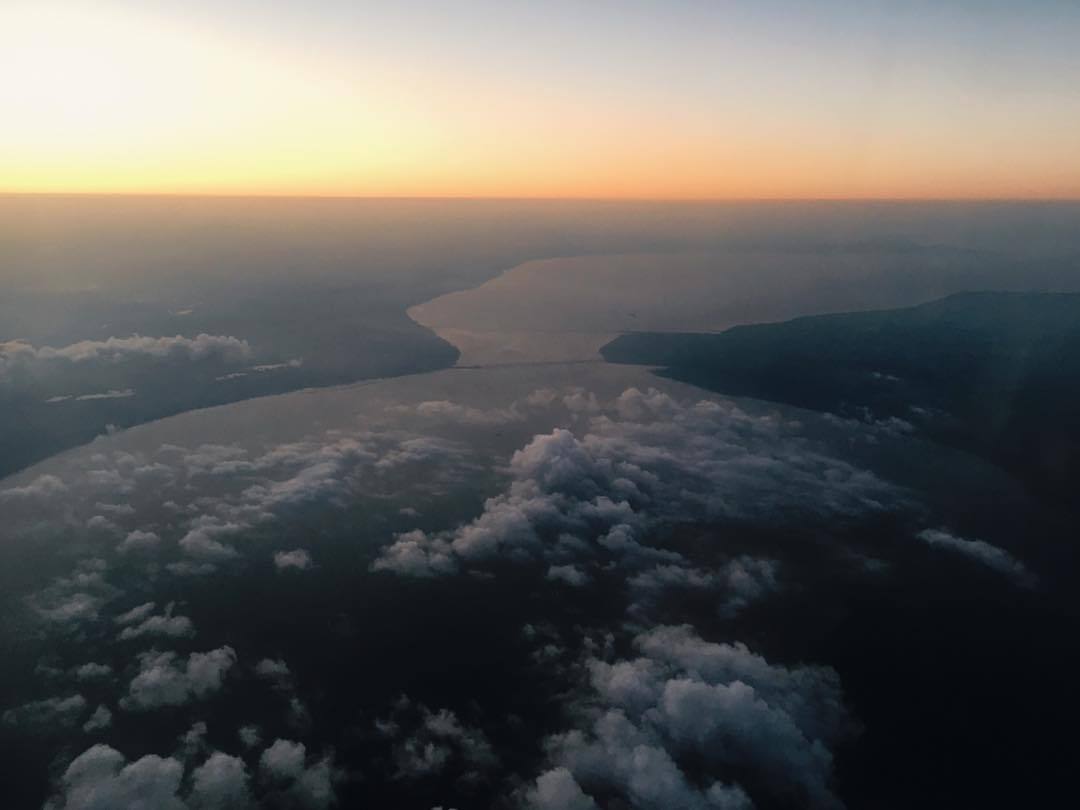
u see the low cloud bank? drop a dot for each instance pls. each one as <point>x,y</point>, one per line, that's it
<point>18,353</point>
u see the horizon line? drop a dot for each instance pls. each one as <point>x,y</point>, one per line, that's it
<point>541,198</point>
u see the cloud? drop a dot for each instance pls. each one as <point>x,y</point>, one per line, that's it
<point>453,412</point>
<point>430,743</point>
<point>247,491</point>
<point>276,671</point>
<point>418,555</point>
<point>290,773</point>
<point>720,705</point>
<point>71,601</point>
<point>201,543</point>
<point>989,555</point>
<point>100,720</point>
<point>193,740</point>
<point>297,559</point>
<point>112,393</point>
<point>249,735</point>
<point>166,680</point>
<point>579,505</point>
<point>558,790</point>
<point>649,460</point>
<point>116,509</point>
<point>568,575</point>
<point>747,579</point>
<point>100,523</point>
<point>136,614</point>
<point>737,583</point>
<point>139,540</point>
<point>283,760</point>
<point>41,488</point>
<point>207,459</point>
<point>262,368</point>
<point>49,714</point>
<point>220,783</point>
<point>92,671</point>
<point>256,490</point>
<point>273,669</point>
<point>19,353</point>
<point>619,757</point>
<point>101,778</point>
<point>419,450</point>
<point>164,625</point>
<point>72,608</point>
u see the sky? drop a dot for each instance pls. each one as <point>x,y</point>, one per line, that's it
<point>632,99</point>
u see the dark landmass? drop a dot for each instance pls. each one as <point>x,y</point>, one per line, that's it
<point>312,338</point>
<point>994,373</point>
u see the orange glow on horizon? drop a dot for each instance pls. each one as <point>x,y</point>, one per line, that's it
<point>115,102</point>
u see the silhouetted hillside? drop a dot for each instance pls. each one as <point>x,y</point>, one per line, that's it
<point>998,373</point>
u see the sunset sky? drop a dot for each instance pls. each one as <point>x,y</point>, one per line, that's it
<point>606,98</point>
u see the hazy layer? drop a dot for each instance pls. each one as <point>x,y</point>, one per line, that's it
<point>259,297</point>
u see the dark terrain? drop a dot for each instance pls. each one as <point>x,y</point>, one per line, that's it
<point>994,373</point>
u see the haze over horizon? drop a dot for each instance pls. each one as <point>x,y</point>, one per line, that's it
<point>681,100</point>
